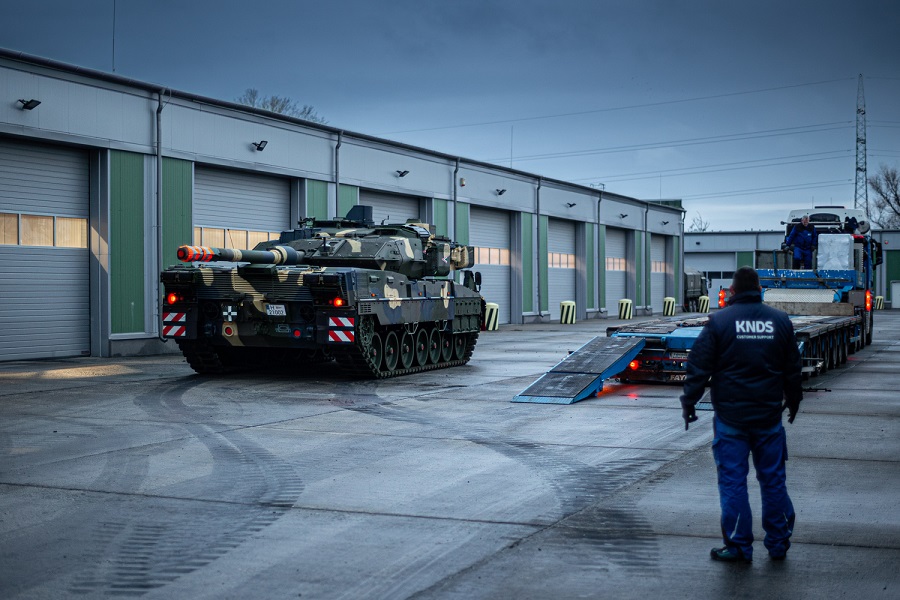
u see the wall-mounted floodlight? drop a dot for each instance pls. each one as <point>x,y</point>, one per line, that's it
<point>402,173</point>
<point>29,104</point>
<point>260,145</point>
<point>500,192</point>
<point>622,215</point>
<point>462,182</point>
<point>570,204</point>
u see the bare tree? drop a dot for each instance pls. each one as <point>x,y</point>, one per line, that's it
<point>886,204</point>
<point>281,105</point>
<point>698,224</point>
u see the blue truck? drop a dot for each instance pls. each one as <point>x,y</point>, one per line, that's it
<point>830,304</point>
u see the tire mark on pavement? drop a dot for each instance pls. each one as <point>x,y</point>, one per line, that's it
<point>250,489</point>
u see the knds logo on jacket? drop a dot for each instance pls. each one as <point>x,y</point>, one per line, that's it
<point>754,327</point>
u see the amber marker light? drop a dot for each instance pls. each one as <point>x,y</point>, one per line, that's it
<point>338,302</point>
<point>633,365</point>
<point>172,298</point>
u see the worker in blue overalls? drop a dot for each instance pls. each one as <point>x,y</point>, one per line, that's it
<point>748,355</point>
<point>803,238</point>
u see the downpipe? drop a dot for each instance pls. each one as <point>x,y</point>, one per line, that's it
<point>159,217</point>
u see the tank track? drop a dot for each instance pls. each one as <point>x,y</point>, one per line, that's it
<point>357,363</point>
<point>202,357</point>
<point>205,360</point>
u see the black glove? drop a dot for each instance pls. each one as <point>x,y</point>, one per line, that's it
<point>784,246</point>
<point>792,406</point>
<point>688,413</point>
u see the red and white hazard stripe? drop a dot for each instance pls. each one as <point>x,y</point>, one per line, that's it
<point>340,336</point>
<point>172,326</point>
<point>340,321</point>
<point>174,330</point>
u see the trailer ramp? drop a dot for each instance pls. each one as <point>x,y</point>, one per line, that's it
<point>581,374</point>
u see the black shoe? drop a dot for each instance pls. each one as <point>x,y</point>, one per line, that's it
<point>783,555</point>
<point>729,554</point>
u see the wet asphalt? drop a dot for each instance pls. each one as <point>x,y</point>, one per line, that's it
<point>135,477</point>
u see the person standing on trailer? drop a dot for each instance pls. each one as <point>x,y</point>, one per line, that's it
<point>803,238</point>
<point>749,353</point>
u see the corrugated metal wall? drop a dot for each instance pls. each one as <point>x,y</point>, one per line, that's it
<point>233,199</point>
<point>127,242</point>
<point>44,290</point>
<point>390,208</point>
<point>178,185</point>
<point>657,277</point>
<point>616,269</point>
<point>489,233</point>
<point>561,245</point>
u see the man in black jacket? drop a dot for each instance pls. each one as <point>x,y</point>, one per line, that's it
<point>749,351</point>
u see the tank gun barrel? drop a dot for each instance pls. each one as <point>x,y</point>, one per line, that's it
<point>277,255</point>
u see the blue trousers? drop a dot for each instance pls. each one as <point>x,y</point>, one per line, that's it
<point>731,450</point>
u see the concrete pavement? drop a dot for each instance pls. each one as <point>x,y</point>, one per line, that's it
<point>135,477</point>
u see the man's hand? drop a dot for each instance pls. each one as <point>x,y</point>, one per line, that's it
<point>688,413</point>
<point>792,406</point>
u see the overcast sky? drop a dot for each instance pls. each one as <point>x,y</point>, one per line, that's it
<point>742,110</point>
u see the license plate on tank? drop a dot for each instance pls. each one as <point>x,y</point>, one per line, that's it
<point>677,377</point>
<point>276,310</point>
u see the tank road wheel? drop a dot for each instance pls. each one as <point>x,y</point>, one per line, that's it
<point>446,346</point>
<point>391,351</point>
<point>364,331</point>
<point>374,351</point>
<point>407,350</point>
<point>434,346</point>
<point>459,346</point>
<point>422,347</point>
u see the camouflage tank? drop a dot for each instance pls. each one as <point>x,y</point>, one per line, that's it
<point>379,299</point>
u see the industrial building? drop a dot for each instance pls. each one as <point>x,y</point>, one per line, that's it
<point>103,177</point>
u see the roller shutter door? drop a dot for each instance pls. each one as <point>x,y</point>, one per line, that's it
<point>239,202</point>
<point>616,269</point>
<point>561,262</point>
<point>489,233</point>
<point>657,272</point>
<point>390,208</point>
<point>45,299</point>
<point>710,261</point>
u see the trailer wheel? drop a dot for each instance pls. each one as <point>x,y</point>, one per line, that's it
<point>844,345</point>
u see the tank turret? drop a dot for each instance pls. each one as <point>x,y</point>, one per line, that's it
<point>410,249</point>
<point>379,299</point>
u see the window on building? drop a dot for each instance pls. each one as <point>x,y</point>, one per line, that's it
<point>71,232</point>
<point>491,256</point>
<point>239,239</point>
<point>37,230</point>
<point>43,230</point>
<point>615,263</point>
<point>9,229</point>
<point>658,266</point>
<point>561,260</point>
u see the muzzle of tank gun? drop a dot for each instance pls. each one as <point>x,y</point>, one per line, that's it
<point>278,255</point>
